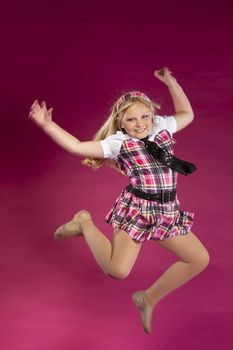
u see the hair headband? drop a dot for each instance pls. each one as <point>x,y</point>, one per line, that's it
<point>129,95</point>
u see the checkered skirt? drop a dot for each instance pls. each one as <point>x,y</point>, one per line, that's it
<point>144,219</point>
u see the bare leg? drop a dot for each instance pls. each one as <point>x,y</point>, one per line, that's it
<point>194,259</point>
<point>116,259</point>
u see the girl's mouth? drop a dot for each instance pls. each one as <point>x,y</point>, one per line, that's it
<point>140,130</point>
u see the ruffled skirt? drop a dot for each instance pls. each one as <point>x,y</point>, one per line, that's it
<point>144,219</point>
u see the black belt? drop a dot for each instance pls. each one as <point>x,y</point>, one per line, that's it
<point>162,196</point>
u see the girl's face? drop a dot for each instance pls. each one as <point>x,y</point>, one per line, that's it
<point>137,120</point>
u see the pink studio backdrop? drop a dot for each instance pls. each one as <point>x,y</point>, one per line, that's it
<point>79,57</point>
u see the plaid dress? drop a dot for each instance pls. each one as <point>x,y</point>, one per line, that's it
<point>145,219</point>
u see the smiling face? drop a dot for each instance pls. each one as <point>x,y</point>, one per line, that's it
<point>137,120</point>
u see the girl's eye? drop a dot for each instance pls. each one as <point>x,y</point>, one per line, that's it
<point>143,117</point>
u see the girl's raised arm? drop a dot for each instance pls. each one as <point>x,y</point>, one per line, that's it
<point>43,118</point>
<point>183,110</point>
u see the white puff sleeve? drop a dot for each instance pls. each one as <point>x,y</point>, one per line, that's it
<point>112,145</point>
<point>164,122</point>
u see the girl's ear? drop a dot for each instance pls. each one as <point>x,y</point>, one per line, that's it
<point>121,128</point>
<point>155,120</point>
<point>119,121</point>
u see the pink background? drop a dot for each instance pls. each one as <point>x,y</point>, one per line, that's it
<point>80,56</point>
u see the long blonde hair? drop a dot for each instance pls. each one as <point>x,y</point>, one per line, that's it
<point>112,125</point>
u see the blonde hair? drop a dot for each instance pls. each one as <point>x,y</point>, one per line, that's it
<point>112,125</point>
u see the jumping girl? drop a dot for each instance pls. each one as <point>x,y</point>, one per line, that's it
<point>138,143</point>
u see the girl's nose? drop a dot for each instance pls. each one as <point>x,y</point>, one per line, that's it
<point>139,123</point>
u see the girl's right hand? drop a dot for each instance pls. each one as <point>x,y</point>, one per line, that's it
<point>165,75</point>
<point>39,114</point>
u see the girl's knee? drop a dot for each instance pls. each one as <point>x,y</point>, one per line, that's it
<point>202,261</point>
<point>118,273</point>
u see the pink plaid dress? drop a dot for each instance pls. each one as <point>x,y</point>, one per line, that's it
<point>145,219</point>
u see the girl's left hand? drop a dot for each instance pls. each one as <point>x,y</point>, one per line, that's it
<point>165,75</point>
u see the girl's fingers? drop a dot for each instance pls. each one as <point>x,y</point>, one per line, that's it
<point>34,109</point>
<point>167,70</point>
<point>31,111</point>
<point>43,105</point>
<point>162,73</point>
<point>31,114</point>
<point>158,73</point>
<point>34,105</point>
<point>50,111</point>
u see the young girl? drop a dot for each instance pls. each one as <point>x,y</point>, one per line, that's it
<point>138,143</point>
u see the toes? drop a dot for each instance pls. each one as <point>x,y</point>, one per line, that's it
<point>58,233</point>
